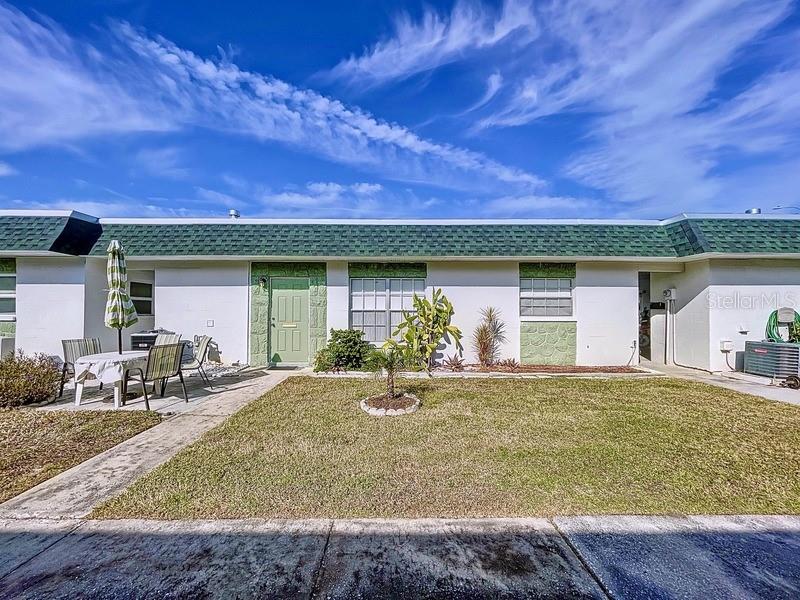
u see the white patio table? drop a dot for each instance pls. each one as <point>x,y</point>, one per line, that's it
<point>108,367</point>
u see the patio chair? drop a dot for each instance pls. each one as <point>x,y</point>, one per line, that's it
<point>163,362</point>
<point>73,350</point>
<point>200,355</point>
<point>162,339</point>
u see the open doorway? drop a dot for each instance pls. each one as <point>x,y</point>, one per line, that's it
<point>644,316</point>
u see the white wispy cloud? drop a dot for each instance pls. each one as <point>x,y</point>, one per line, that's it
<point>6,169</point>
<point>325,198</point>
<point>493,84</point>
<point>55,89</point>
<point>645,77</point>
<point>435,40</point>
<point>164,161</point>
<point>535,205</point>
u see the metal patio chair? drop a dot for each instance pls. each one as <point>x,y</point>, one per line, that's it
<point>162,339</point>
<point>163,363</point>
<point>200,355</point>
<point>73,350</point>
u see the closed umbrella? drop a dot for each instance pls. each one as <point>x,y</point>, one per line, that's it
<point>120,312</point>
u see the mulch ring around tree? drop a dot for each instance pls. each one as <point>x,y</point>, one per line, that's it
<point>384,405</point>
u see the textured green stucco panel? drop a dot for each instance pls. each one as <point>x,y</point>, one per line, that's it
<point>8,265</point>
<point>547,269</point>
<point>259,306</point>
<point>362,269</point>
<point>547,342</point>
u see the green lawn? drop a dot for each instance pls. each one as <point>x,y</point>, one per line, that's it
<point>479,448</point>
<point>37,445</point>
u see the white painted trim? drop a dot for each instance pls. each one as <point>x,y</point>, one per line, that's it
<point>31,253</point>
<point>543,319</point>
<point>411,258</point>
<point>258,221</point>
<point>49,213</point>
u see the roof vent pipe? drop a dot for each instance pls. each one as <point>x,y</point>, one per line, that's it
<point>753,211</point>
<point>234,214</point>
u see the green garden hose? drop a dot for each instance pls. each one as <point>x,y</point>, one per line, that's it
<point>774,335</point>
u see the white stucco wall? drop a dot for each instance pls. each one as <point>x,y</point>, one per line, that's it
<point>96,294</point>
<point>740,298</point>
<point>338,300</point>
<point>471,286</point>
<point>50,303</point>
<point>691,319</point>
<point>606,310</point>
<point>206,299</point>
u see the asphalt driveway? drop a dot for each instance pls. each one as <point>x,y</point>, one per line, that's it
<point>576,557</point>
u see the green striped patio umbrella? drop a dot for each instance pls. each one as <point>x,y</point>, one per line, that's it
<point>120,312</point>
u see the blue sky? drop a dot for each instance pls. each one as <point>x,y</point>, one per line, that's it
<point>364,109</point>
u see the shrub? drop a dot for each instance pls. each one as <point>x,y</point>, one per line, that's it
<point>346,350</point>
<point>27,379</point>
<point>422,331</point>
<point>488,336</point>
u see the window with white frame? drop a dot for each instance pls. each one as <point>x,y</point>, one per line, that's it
<point>545,297</point>
<point>8,296</point>
<point>377,304</point>
<point>142,297</point>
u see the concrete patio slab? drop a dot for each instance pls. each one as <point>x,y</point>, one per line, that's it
<point>708,558</point>
<point>173,402</point>
<point>431,558</point>
<point>75,492</point>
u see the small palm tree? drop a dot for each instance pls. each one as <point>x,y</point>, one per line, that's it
<point>389,361</point>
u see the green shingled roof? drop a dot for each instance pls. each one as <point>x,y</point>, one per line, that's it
<point>68,234</point>
<point>683,237</point>
<point>30,234</point>
<point>359,240</point>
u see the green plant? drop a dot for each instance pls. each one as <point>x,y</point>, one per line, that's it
<point>510,363</point>
<point>389,360</point>
<point>454,363</point>
<point>420,332</point>
<point>27,379</point>
<point>346,350</point>
<point>488,336</point>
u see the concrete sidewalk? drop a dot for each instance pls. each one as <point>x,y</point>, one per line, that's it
<point>573,557</point>
<point>75,492</point>
<point>738,382</point>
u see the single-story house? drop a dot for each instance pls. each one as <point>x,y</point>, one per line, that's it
<point>583,292</point>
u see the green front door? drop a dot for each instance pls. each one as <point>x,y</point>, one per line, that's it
<point>289,320</point>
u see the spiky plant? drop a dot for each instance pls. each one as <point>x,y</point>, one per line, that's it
<point>489,336</point>
<point>454,363</point>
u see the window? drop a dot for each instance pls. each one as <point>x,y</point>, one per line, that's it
<point>8,296</point>
<point>377,304</point>
<point>142,296</point>
<point>545,297</point>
